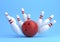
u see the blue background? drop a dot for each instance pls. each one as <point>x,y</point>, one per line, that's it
<point>34,7</point>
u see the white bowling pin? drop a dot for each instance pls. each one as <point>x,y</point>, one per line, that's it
<point>39,22</point>
<point>48,20</point>
<point>19,21</point>
<point>15,27</point>
<point>24,15</point>
<point>46,27</point>
<point>7,15</point>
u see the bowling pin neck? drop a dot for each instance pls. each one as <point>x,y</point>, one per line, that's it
<point>42,13</point>
<point>18,19</point>
<point>41,17</point>
<point>50,24</point>
<point>49,18</point>
<point>11,21</point>
<point>28,16</point>
<point>22,10</point>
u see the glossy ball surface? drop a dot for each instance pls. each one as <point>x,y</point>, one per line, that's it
<point>29,28</point>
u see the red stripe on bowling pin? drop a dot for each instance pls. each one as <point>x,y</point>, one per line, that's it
<point>46,27</point>
<point>48,20</point>
<point>19,21</point>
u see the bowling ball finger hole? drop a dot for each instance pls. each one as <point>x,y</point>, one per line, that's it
<point>25,29</point>
<point>24,23</point>
<point>28,23</point>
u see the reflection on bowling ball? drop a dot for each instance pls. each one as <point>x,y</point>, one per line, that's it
<point>29,28</point>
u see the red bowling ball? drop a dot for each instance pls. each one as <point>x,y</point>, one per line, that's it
<point>29,28</point>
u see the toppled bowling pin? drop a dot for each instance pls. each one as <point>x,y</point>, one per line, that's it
<point>19,21</point>
<point>15,27</point>
<point>46,27</point>
<point>40,21</point>
<point>7,15</point>
<point>24,15</point>
<point>48,20</point>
